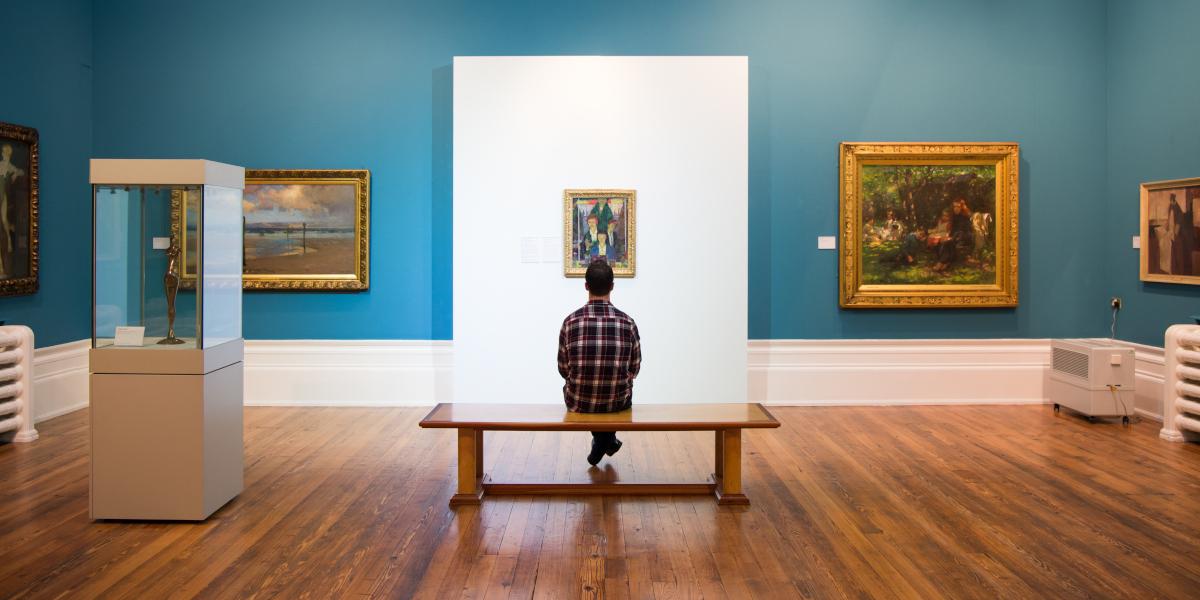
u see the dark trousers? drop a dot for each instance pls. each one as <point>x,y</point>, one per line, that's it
<point>604,438</point>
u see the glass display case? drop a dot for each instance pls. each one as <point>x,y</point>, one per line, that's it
<point>165,368</point>
<point>168,259</point>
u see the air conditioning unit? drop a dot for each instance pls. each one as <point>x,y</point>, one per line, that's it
<point>1092,377</point>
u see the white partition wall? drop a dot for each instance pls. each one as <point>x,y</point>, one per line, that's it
<point>672,128</point>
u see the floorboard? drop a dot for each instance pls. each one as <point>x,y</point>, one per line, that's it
<point>848,502</point>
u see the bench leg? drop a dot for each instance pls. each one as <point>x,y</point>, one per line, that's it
<point>478,453</point>
<point>729,468</point>
<point>470,466</point>
<point>719,463</point>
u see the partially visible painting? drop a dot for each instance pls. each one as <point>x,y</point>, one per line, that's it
<point>599,224</point>
<point>18,210</point>
<point>928,225</point>
<point>1170,238</point>
<point>306,230</point>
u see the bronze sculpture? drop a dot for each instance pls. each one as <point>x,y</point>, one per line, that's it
<point>171,286</point>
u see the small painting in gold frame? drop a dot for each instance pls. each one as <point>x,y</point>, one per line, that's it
<point>1170,241</point>
<point>599,224</point>
<point>928,225</point>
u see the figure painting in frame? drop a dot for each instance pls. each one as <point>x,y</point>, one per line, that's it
<point>599,224</point>
<point>1170,240</point>
<point>928,225</point>
<point>18,210</point>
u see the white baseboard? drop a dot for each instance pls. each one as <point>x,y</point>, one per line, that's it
<point>898,372</point>
<point>348,372</point>
<point>60,379</point>
<point>781,372</point>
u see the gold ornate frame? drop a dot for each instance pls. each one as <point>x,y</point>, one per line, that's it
<point>1144,231</point>
<point>18,286</point>
<point>357,281</point>
<point>630,197</point>
<point>854,294</point>
<point>179,222</point>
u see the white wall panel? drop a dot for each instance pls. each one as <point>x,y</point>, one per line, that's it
<point>674,129</point>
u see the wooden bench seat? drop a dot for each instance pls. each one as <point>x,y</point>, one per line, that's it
<point>727,420</point>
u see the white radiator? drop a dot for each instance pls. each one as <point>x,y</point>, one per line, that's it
<point>16,384</point>
<point>1181,390</point>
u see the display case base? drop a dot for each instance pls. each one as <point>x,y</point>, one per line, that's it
<point>165,447</point>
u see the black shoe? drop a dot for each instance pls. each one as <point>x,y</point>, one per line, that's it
<point>596,454</point>
<point>614,447</point>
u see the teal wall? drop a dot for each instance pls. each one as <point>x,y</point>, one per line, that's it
<point>46,83</point>
<point>1098,94</point>
<point>1154,134</point>
<point>366,84</point>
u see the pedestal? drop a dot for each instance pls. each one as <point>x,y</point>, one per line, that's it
<point>166,446</point>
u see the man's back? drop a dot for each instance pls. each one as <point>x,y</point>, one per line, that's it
<point>599,355</point>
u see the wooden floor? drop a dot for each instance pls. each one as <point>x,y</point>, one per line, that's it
<point>913,502</point>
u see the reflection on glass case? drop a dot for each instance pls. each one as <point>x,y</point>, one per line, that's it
<point>152,292</point>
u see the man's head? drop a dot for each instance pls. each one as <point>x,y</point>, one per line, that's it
<point>602,237</point>
<point>603,202</point>
<point>599,278</point>
<point>6,152</point>
<point>592,221</point>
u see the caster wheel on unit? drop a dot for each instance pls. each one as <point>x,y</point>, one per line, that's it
<point>1056,408</point>
<point>1124,420</point>
<point>1091,419</point>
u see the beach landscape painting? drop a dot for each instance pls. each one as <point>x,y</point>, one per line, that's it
<point>306,230</point>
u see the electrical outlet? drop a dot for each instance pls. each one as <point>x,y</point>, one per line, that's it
<point>1115,303</point>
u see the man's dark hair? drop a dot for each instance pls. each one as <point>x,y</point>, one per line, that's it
<point>599,277</point>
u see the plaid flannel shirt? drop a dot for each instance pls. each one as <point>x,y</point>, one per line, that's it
<point>599,355</point>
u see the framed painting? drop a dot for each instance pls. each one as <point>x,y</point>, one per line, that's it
<point>18,210</point>
<point>599,224</point>
<point>928,225</point>
<point>306,230</point>
<point>1170,248</point>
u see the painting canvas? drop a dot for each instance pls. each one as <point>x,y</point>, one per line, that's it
<point>1170,237</point>
<point>928,225</point>
<point>599,224</point>
<point>306,230</point>
<point>18,210</point>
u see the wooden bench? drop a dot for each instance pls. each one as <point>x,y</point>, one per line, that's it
<point>727,420</point>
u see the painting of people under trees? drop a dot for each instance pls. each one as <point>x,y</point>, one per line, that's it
<point>929,225</point>
<point>599,224</point>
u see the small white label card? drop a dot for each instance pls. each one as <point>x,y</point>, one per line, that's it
<point>160,243</point>
<point>1137,241</point>
<point>826,242</point>
<point>129,336</point>
<point>531,250</point>
<point>551,249</point>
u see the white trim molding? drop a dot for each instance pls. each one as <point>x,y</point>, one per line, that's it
<point>898,372</point>
<point>60,379</point>
<point>781,372</point>
<point>348,372</point>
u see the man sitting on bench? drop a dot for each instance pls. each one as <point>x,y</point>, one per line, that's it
<point>599,355</point>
